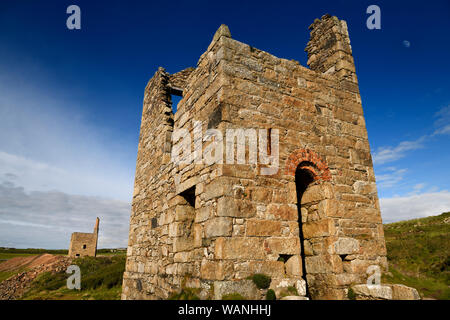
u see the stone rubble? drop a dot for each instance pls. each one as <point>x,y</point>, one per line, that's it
<point>14,287</point>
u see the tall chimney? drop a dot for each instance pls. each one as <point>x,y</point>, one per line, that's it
<point>97,222</point>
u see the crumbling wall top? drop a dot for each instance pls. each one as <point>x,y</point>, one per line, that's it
<point>177,81</point>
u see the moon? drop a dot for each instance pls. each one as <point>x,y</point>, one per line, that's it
<point>406,43</point>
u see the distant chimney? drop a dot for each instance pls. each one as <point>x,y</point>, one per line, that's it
<point>97,223</point>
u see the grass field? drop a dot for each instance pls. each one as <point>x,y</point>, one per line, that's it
<point>419,255</point>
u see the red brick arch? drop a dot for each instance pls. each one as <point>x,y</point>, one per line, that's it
<point>312,162</point>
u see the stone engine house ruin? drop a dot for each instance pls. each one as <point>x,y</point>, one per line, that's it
<point>84,244</point>
<point>315,224</point>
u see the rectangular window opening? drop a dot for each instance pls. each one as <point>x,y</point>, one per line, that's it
<point>84,246</point>
<point>175,96</point>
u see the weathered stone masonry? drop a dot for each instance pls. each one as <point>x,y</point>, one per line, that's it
<point>315,224</point>
<point>84,244</point>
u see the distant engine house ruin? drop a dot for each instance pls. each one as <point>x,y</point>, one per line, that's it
<point>314,224</point>
<point>84,244</point>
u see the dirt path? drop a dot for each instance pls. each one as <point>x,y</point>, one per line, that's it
<point>15,286</point>
<point>26,262</point>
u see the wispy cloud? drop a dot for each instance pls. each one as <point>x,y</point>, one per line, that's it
<point>390,177</point>
<point>417,188</point>
<point>40,176</point>
<point>389,154</point>
<point>443,121</point>
<point>393,153</point>
<point>47,218</point>
<point>414,206</point>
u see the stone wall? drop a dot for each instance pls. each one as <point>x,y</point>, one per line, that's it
<point>315,224</point>
<point>84,244</point>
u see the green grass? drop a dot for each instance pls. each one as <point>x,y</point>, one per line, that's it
<point>270,295</point>
<point>418,252</point>
<point>6,274</point>
<point>351,294</point>
<point>111,254</point>
<point>32,251</point>
<point>101,279</point>
<point>262,281</point>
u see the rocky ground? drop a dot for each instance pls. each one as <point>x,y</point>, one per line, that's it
<point>15,286</point>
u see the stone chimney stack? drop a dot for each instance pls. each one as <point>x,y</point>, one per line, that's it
<point>329,49</point>
<point>97,223</point>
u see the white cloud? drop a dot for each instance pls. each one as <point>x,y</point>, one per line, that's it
<point>417,188</point>
<point>389,154</point>
<point>391,177</point>
<point>443,121</point>
<point>443,130</point>
<point>414,206</point>
<point>46,219</point>
<point>48,142</point>
<point>58,170</point>
<point>39,176</point>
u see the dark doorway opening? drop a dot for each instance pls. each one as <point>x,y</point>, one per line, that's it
<point>303,178</point>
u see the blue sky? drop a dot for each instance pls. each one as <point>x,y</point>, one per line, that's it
<point>71,100</point>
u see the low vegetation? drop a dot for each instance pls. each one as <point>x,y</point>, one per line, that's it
<point>418,252</point>
<point>262,281</point>
<point>351,295</point>
<point>289,291</point>
<point>101,279</point>
<point>6,274</point>
<point>31,251</point>
<point>270,295</point>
